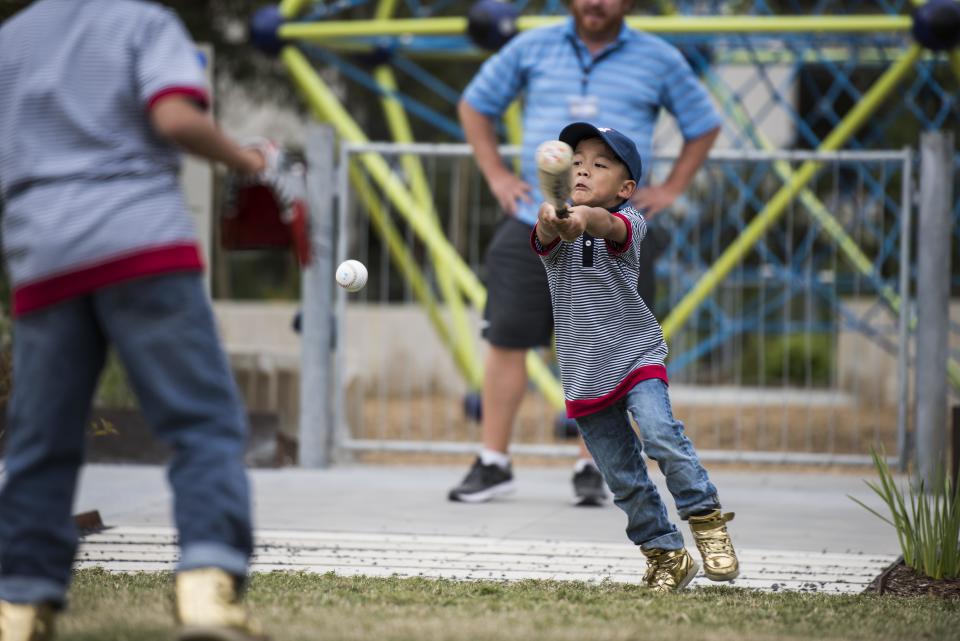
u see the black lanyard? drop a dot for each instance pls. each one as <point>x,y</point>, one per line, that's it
<point>587,66</point>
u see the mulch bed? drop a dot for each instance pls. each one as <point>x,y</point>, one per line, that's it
<point>901,580</point>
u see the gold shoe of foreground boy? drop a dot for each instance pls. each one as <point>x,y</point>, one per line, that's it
<point>669,570</point>
<point>719,558</point>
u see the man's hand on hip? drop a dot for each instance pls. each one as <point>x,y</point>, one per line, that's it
<point>509,189</point>
<point>654,199</point>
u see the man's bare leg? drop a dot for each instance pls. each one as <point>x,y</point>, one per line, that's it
<point>504,384</point>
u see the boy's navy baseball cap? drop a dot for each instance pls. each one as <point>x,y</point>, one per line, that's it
<point>625,149</point>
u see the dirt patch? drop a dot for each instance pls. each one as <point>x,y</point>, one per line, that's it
<point>901,580</point>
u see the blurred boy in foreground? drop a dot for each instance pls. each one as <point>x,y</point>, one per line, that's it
<point>95,98</point>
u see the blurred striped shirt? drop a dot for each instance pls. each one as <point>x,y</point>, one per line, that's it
<point>91,192</point>
<point>607,339</point>
<point>630,79</point>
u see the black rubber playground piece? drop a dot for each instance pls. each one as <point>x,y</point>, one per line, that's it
<point>473,406</point>
<point>565,428</point>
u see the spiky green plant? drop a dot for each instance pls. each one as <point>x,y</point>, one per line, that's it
<point>927,523</point>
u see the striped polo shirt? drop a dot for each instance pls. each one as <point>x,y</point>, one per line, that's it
<point>607,339</point>
<point>91,192</point>
<point>623,86</point>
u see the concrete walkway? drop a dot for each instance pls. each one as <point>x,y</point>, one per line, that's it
<point>793,531</point>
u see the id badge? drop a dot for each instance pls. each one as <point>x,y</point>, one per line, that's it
<point>583,107</point>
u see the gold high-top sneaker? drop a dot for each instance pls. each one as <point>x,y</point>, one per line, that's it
<point>719,558</point>
<point>26,621</point>
<point>209,608</point>
<point>669,570</point>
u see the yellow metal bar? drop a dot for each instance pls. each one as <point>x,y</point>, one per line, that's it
<point>406,264</point>
<point>876,55</point>
<point>400,254</point>
<point>775,207</point>
<point>385,9</point>
<point>290,8</point>
<point>546,382</point>
<point>326,106</point>
<point>446,26</point>
<point>513,121</point>
<point>666,7</point>
<point>400,128</point>
<point>318,31</point>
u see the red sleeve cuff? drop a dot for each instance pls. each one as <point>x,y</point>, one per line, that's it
<point>619,248</point>
<point>197,94</point>
<point>538,246</point>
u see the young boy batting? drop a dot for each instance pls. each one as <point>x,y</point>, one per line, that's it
<point>96,96</point>
<point>611,352</point>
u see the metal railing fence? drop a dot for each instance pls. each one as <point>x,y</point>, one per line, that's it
<point>798,355</point>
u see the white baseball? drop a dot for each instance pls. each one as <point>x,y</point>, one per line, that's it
<point>352,275</point>
<point>554,157</point>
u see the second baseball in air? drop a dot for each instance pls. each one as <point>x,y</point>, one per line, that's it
<point>352,275</point>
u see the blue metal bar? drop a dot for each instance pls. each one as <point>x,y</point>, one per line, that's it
<point>361,77</point>
<point>427,79</point>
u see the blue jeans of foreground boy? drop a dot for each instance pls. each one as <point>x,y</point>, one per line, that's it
<point>163,330</point>
<point>618,453</point>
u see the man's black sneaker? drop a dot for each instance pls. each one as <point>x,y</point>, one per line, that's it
<point>588,486</point>
<point>482,483</point>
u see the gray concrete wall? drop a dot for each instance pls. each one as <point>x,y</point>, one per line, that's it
<point>390,348</point>
<point>866,370</point>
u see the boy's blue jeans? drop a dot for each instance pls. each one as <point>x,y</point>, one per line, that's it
<point>617,452</point>
<point>163,330</point>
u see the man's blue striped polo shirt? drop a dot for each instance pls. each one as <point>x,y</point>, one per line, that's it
<point>630,80</point>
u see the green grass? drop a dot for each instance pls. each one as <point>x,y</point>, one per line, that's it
<point>138,607</point>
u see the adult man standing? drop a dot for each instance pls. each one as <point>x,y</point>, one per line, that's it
<point>590,68</point>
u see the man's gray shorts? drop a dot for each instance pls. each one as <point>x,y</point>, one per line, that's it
<point>518,314</point>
